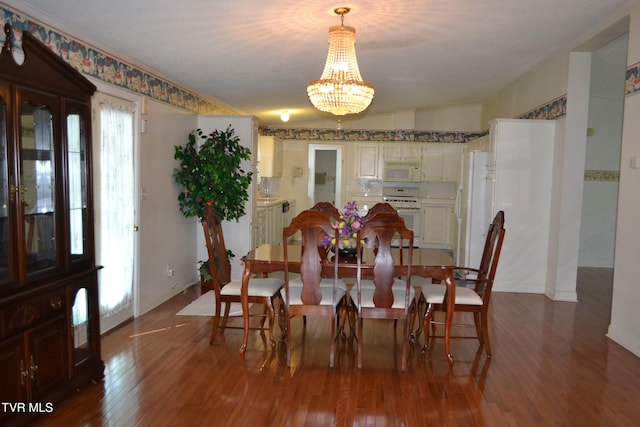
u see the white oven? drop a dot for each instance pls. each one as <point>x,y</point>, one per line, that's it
<point>413,220</point>
<point>406,201</point>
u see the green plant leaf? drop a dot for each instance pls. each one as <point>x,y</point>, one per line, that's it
<point>209,172</point>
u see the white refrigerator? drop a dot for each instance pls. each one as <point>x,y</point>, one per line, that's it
<point>515,175</point>
<point>472,208</point>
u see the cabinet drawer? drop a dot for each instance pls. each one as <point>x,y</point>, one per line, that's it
<point>24,314</point>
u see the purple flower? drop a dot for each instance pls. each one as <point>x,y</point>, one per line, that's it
<point>348,224</point>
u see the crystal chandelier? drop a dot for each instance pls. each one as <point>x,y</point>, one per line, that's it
<point>341,89</point>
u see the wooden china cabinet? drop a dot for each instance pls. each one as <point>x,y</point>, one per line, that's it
<point>49,314</point>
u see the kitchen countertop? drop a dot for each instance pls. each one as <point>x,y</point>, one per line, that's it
<point>271,201</point>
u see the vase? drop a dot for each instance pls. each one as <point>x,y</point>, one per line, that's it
<point>347,252</point>
<point>347,255</point>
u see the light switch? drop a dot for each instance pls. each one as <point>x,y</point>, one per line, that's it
<point>634,163</point>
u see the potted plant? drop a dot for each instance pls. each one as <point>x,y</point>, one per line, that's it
<point>210,172</point>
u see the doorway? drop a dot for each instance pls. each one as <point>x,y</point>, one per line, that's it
<point>114,148</point>
<point>325,174</point>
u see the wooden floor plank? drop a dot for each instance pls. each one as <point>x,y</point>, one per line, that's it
<point>551,365</point>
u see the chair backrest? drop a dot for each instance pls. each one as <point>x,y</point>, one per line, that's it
<point>219,266</point>
<point>383,228</point>
<point>330,212</point>
<point>384,207</point>
<point>381,207</point>
<point>490,257</point>
<point>313,226</point>
<point>327,209</point>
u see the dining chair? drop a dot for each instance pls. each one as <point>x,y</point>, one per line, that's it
<point>260,290</point>
<point>327,209</point>
<point>472,290</point>
<point>391,297</point>
<point>314,292</point>
<point>330,212</point>
<point>384,207</point>
<point>380,207</point>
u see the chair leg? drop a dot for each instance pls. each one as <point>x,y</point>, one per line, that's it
<point>264,314</point>
<point>427,319</point>
<point>359,342</point>
<point>420,307</point>
<point>485,332</point>
<point>477,321</point>
<point>332,349</point>
<point>225,318</point>
<point>268,304</point>
<point>216,321</point>
<point>288,335</point>
<point>405,343</point>
<point>281,317</point>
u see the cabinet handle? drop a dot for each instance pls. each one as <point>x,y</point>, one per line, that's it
<point>55,303</point>
<point>23,373</point>
<point>34,368</point>
<point>14,189</point>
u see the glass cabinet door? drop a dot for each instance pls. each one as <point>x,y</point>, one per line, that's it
<point>37,187</point>
<point>77,186</point>
<point>6,191</point>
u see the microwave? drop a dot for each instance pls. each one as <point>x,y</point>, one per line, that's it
<point>402,172</point>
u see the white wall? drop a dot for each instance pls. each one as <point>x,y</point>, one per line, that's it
<point>166,237</point>
<point>295,153</point>
<point>600,196</point>
<point>454,118</point>
<point>625,316</point>
<point>544,83</point>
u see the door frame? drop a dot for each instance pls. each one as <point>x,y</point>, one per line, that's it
<point>139,106</point>
<point>338,148</point>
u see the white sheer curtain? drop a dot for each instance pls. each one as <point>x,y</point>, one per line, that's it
<point>115,239</point>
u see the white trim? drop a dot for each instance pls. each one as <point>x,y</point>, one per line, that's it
<point>339,148</point>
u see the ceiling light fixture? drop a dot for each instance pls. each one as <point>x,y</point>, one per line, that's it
<point>284,115</point>
<point>341,89</point>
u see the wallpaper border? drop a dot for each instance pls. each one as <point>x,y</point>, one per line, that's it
<point>602,175</point>
<point>632,80</point>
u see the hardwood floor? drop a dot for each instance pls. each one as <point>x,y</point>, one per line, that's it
<point>552,366</point>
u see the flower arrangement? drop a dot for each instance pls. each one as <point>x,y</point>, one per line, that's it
<point>349,224</point>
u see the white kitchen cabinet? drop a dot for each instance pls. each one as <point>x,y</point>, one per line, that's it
<point>269,156</point>
<point>270,219</point>
<point>274,223</point>
<point>260,227</point>
<point>366,160</point>
<point>441,161</point>
<point>290,214</point>
<point>439,225</point>
<point>402,152</point>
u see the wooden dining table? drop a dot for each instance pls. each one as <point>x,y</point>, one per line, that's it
<point>269,258</point>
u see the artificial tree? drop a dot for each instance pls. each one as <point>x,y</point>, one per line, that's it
<point>210,172</point>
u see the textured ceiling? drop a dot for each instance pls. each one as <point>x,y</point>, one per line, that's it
<point>258,55</point>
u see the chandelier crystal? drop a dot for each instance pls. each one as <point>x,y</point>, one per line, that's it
<point>341,89</point>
